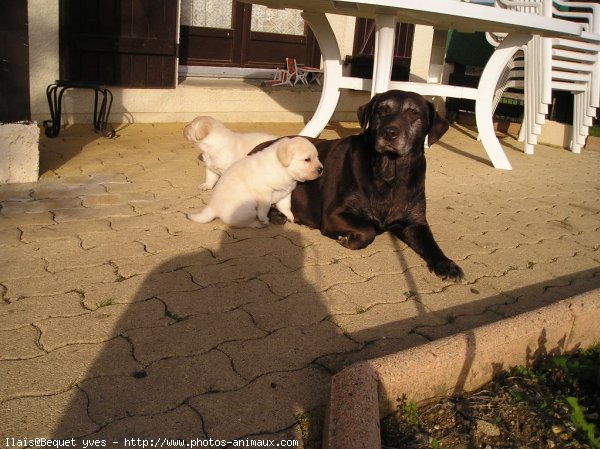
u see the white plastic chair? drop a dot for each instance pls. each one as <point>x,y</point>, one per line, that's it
<point>561,64</point>
<point>289,76</point>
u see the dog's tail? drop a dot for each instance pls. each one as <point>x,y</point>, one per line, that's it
<point>207,215</point>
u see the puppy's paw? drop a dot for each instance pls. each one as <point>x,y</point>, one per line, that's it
<point>205,186</point>
<point>447,269</point>
<point>256,224</point>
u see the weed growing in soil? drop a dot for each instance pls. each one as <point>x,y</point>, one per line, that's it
<point>554,404</point>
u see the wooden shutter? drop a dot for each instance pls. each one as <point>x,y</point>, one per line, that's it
<point>129,43</point>
<point>14,62</point>
<point>364,49</point>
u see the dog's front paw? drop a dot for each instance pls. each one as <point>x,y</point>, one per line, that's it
<point>352,241</point>
<point>205,186</point>
<point>447,269</point>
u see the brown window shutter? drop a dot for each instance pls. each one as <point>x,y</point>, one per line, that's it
<point>128,43</point>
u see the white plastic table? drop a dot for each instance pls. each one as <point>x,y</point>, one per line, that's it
<point>441,14</point>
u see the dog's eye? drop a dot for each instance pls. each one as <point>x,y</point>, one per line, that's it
<point>307,159</point>
<point>384,109</point>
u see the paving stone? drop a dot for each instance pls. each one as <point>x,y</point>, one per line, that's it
<point>25,253</point>
<point>10,237</point>
<point>101,324</point>
<point>370,350</point>
<point>582,223</point>
<point>77,214</point>
<point>111,199</point>
<point>20,343</point>
<point>63,368</point>
<point>384,262</point>
<point>159,388</point>
<point>38,206</point>
<point>220,298</point>
<point>16,192</point>
<point>458,324</point>
<point>58,231</point>
<point>182,423</point>
<point>267,405</point>
<point>162,262</point>
<point>187,241</point>
<point>278,246</point>
<point>66,189</point>
<point>292,347</point>
<point>99,255</point>
<point>567,266</point>
<point>299,309</point>
<point>123,237</point>
<point>535,232</point>
<point>60,416</point>
<point>15,221</point>
<point>381,289</point>
<point>325,251</point>
<point>11,270</point>
<point>589,239</point>
<point>135,289</point>
<point>516,283</point>
<point>57,283</point>
<point>386,321</point>
<point>492,240</point>
<point>309,279</point>
<point>195,335</point>
<point>29,310</point>
<point>240,269</point>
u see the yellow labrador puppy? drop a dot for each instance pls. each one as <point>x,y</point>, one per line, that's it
<point>220,147</point>
<point>245,192</point>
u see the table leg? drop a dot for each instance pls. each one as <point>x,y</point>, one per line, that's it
<point>485,97</point>
<point>332,73</point>
<point>385,33</point>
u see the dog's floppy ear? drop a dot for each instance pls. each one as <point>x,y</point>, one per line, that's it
<point>285,151</point>
<point>366,111</point>
<point>198,129</point>
<point>438,125</point>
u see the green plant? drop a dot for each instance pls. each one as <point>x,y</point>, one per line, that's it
<point>523,371</point>
<point>105,303</point>
<point>435,443</point>
<point>410,411</point>
<point>172,315</point>
<point>579,421</point>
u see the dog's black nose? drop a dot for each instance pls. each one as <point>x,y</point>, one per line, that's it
<point>320,170</point>
<point>391,133</point>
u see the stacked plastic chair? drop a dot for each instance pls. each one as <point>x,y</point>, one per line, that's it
<point>557,64</point>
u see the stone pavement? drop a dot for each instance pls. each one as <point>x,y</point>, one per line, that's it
<point>120,318</point>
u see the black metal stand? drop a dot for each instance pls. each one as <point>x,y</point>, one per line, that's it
<point>55,92</point>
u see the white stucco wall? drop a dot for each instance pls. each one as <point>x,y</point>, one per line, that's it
<point>43,54</point>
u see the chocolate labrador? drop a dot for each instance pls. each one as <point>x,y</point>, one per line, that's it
<point>374,182</point>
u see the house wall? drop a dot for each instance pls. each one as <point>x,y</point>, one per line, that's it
<point>226,99</point>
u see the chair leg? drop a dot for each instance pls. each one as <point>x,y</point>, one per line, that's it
<point>52,126</point>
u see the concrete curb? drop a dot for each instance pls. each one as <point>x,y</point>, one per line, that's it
<point>459,363</point>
